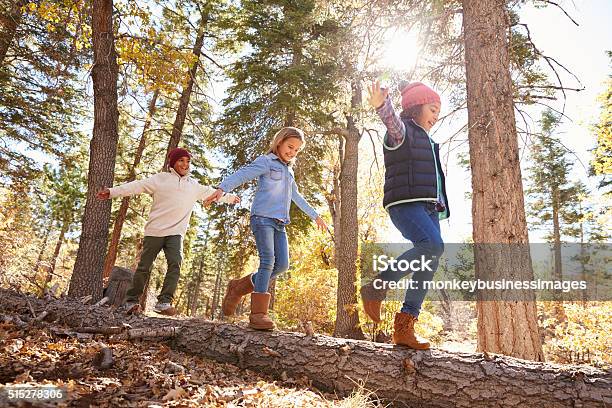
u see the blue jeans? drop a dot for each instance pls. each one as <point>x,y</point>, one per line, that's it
<point>271,241</point>
<point>418,222</point>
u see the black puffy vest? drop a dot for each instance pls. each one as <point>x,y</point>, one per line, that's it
<point>410,170</point>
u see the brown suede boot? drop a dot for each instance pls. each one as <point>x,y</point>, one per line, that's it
<point>372,301</point>
<point>236,289</point>
<point>259,319</point>
<point>403,332</point>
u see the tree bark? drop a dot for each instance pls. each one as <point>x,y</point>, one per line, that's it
<point>111,255</point>
<point>335,203</point>
<point>505,327</point>
<point>398,375</point>
<point>559,310</point>
<point>56,251</point>
<point>216,295</point>
<point>10,17</point>
<point>87,274</point>
<point>347,316</point>
<point>43,248</point>
<point>193,298</point>
<point>181,113</point>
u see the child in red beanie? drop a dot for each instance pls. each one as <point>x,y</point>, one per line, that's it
<point>415,198</point>
<point>174,195</point>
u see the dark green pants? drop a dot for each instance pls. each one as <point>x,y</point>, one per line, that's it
<point>172,246</point>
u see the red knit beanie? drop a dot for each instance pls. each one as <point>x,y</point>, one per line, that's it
<point>418,93</point>
<point>176,154</point>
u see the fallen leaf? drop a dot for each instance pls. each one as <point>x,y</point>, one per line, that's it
<point>175,394</point>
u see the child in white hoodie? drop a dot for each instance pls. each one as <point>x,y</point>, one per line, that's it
<point>174,195</point>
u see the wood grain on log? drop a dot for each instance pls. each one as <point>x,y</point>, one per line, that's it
<point>405,377</point>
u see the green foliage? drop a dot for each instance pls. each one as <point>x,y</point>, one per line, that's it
<point>40,96</point>
<point>550,189</point>
<point>583,338</point>
<point>308,294</point>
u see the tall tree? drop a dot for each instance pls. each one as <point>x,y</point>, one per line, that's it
<point>10,17</point>
<point>87,275</point>
<point>498,212</point>
<point>111,256</point>
<point>286,77</point>
<point>601,164</point>
<point>41,100</point>
<point>347,233</point>
<point>181,112</point>
<point>550,189</point>
<point>66,185</point>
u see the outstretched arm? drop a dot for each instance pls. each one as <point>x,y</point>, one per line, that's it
<point>207,193</point>
<point>134,187</point>
<point>103,194</point>
<point>247,173</point>
<point>252,170</point>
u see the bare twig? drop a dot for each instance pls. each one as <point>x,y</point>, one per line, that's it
<point>561,8</point>
<point>30,306</point>
<point>102,301</point>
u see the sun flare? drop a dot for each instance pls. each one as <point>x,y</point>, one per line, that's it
<point>401,50</point>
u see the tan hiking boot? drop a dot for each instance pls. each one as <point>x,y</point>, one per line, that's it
<point>372,299</point>
<point>236,289</point>
<point>132,308</point>
<point>403,332</point>
<point>165,309</point>
<point>259,319</point>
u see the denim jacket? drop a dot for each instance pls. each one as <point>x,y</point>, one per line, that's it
<point>276,188</point>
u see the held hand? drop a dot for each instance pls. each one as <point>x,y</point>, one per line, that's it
<point>103,194</point>
<point>377,95</point>
<point>235,200</point>
<point>213,197</point>
<point>321,224</point>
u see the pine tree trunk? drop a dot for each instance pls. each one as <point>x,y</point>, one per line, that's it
<point>347,316</point>
<point>216,295</point>
<point>181,113</point>
<point>41,253</point>
<point>506,327</point>
<point>111,256</point>
<point>139,245</point>
<point>583,261</point>
<point>558,273</point>
<point>337,203</point>
<point>272,291</point>
<point>194,296</point>
<point>399,376</point>
<point>56,251</point>
<point>89,264</point>
<point>10,17</point>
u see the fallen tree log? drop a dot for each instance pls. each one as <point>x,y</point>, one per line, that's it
<point>404,377</point>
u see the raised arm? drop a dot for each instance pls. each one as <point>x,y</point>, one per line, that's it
<point>379,99</point>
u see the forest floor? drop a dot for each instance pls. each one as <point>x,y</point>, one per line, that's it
<point>144,374</point>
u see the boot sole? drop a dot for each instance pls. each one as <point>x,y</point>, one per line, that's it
<point>165,313</point>
<point>134,310</point>
<point>268,328</point>
<point>411,347</point>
